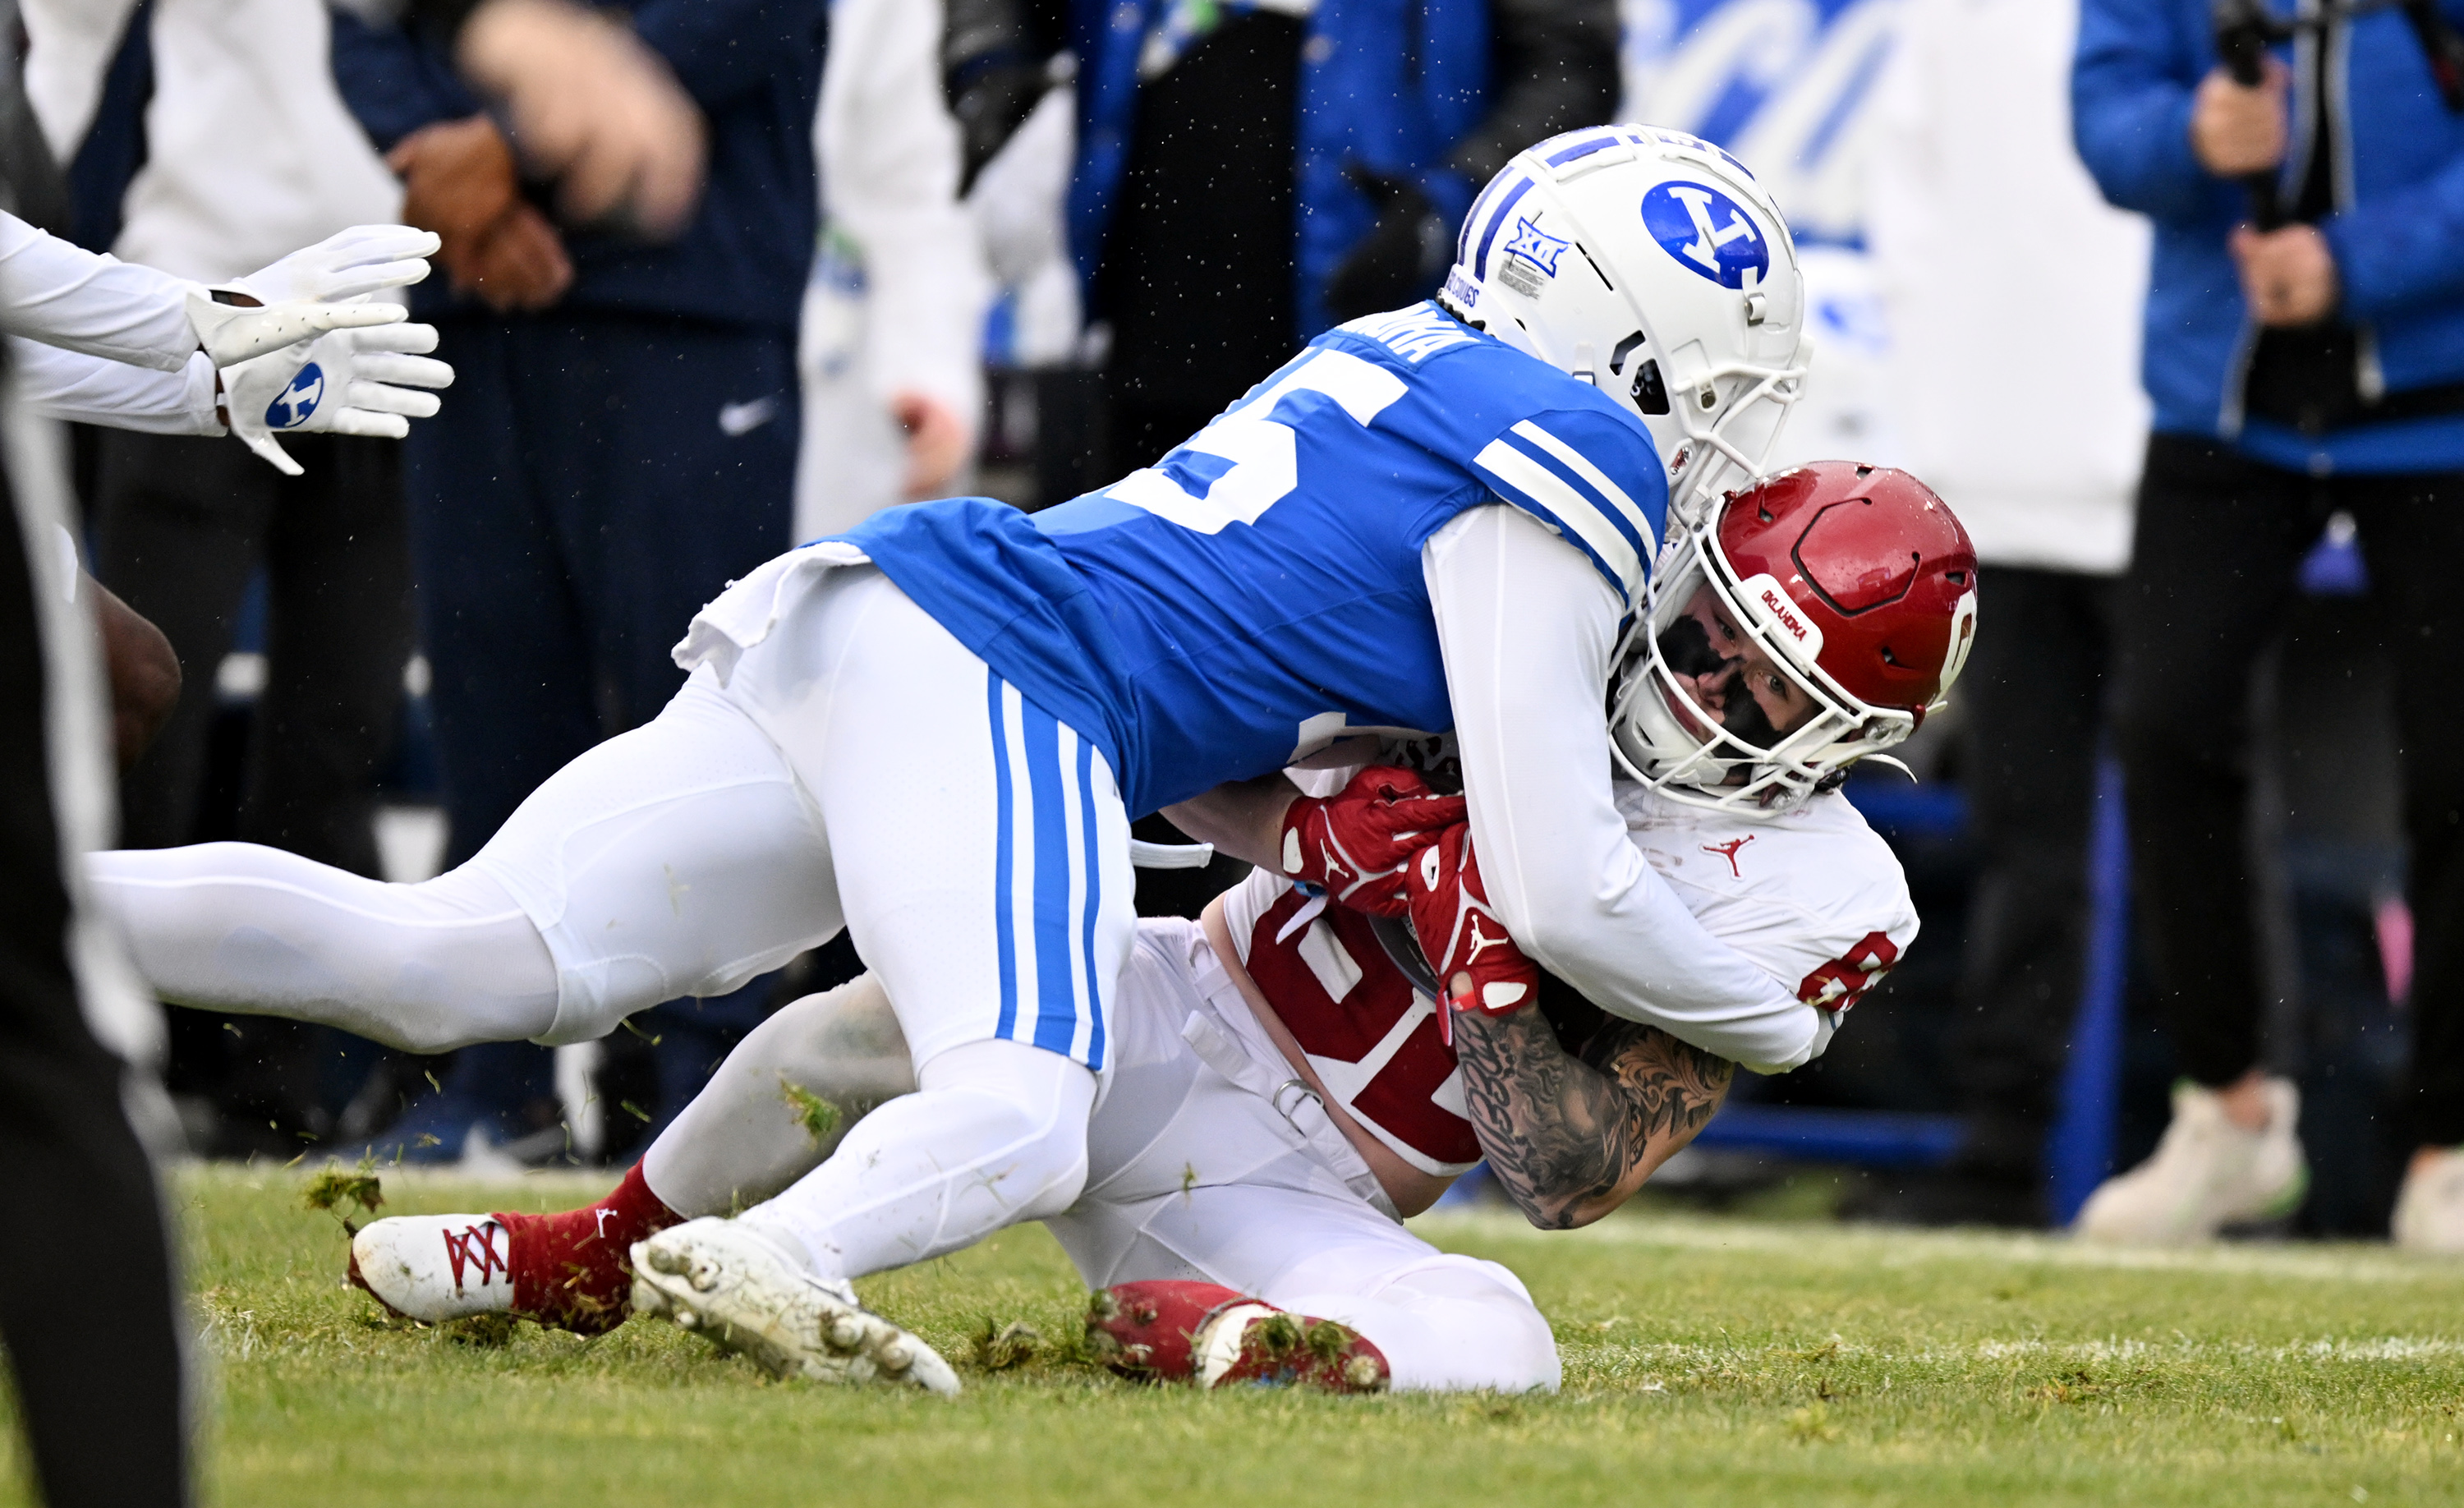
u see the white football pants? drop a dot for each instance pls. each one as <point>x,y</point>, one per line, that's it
<point>1188,1175</point>
<point>859,766</point>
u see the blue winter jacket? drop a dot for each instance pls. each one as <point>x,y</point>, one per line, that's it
<point>2397,233</point>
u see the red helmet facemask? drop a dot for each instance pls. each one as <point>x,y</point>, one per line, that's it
<point>1855,582</point>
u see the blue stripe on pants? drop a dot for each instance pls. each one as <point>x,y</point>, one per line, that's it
<point>1004,862</point>
<point>1056,996</point>
<point>1094,860</point>
<point>1063,968</point>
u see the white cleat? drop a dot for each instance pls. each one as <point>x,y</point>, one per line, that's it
<point>718,1277</point>
<point>2429,1211</point>
<point>2206,1174</point>
<point>435,1267</point>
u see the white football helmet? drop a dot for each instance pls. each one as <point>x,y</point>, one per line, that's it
<point>1650,264</point>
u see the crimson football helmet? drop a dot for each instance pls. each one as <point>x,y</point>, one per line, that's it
<point>1859,585</point>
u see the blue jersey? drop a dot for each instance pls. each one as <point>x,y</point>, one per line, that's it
<point>1257,592</point>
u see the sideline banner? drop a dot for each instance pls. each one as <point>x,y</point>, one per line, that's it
<point>1789,86</point>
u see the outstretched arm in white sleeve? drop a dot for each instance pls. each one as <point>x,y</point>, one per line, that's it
<point>87,389</point>
<point>67,296</point>
<point>78,300</point>
<point>1528,626</point>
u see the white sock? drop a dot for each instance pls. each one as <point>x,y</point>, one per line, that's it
<point>743,1138</point>
<point>257,931</point>
<point>1445,1328</point>
<point>995,1135</point>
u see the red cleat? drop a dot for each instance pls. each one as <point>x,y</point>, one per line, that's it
<point>567,1270</point>
<point>1216,1337</point>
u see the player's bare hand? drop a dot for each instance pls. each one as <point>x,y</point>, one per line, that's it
<point>937,442</point>
<point>593,108</point>
<point>142,671</point>
<point>2236,131</point>
<point>2288,276</point>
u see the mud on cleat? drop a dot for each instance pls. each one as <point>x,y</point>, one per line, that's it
<point>1216,1337</point>
<point>743,1294</point>
<point>435,1267</point>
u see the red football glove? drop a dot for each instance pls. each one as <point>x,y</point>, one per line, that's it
<point>1476,963</point>
<point>1355,844</point>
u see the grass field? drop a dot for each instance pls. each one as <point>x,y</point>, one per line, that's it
<point>1707,1360</point>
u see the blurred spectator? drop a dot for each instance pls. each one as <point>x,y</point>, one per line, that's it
<point>145,117</point>
<point>895,315</point>
<point>596,114</point>
<point>2297,368</point>
<point>2022,412</point>
<point>622,436</point>
<point>1251,173</point>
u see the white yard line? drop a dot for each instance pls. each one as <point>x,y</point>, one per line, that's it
<point>1874,1246</point>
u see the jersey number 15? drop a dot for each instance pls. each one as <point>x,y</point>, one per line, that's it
<point>1246,461</point>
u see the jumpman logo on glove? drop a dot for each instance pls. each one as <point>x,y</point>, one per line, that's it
<point>1475,959</point>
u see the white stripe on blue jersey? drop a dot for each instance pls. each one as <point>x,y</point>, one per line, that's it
<point>1540,473</point>
<point>1639,522</point>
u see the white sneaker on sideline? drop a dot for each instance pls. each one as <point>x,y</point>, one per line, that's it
<point>745,1295</point>
<point>2207,1173</point>
<point>435,1267</point>
<point>2429,1211</point>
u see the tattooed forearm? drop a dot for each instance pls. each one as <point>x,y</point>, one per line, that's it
<point>1569,1136</point>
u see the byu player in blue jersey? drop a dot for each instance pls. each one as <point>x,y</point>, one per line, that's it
<point>935,729</point>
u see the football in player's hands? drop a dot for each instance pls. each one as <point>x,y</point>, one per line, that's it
<point>1354,843</point>
<point>1468,946</point>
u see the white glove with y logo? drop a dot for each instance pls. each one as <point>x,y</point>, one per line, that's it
<point>363,382</point>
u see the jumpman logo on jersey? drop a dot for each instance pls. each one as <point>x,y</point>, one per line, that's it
<point>475,1247</point>
<point>1728,851</point>
<point>603,1216</point>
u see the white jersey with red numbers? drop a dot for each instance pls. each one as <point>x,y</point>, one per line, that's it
<point>1812,897</point>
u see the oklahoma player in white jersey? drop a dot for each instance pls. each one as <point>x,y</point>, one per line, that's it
<point>1282,1092</point>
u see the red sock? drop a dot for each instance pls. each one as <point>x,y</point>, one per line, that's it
<point>572,1270</point>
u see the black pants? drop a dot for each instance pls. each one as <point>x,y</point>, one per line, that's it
<point>86,1299</point>
<point>180,526</point>
<point>2219,541</point>
<point>2034,698</point>
<point>597,478</point>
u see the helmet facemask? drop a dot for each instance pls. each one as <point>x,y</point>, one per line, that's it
<point>1728,758</point>
<point>1724,445</point>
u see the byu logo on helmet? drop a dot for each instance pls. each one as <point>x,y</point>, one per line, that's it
<point>1707,231</point>
<point>298,401</point>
